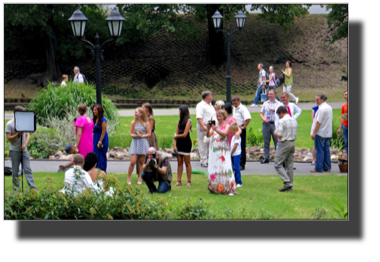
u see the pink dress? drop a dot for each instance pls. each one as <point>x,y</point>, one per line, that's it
<point>85,144</point>
<point>230,135</point>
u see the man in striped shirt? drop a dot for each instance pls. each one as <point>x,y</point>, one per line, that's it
<point>287,134</point>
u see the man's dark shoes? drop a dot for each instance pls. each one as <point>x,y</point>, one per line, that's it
<point>327,170</point>
<point>242,168</point>
<point>265,162</point>
<point>286,188</point>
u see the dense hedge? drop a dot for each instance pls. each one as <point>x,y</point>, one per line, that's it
<point>127,203</point>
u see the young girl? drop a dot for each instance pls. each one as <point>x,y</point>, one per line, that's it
<point>140,131</point>
<point>236,153</point>
<point>65,78</point>
<point>272,85</point>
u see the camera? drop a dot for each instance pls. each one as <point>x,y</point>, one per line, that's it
<point>154,154</point>
<point>211,122</point>
<point>151,162</point>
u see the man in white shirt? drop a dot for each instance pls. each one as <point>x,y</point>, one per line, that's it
<point>78,78</point>
<point>321,132</point>
<point>262,79</point>
<point>268,116</point>
<point>76,179</point>
<point>204,112</point>
<point>293,110</point>
<point>287,134</point>
<point>243,117</point>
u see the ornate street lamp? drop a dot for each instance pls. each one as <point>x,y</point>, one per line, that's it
<point>240,22</point>
<point>78,23</point>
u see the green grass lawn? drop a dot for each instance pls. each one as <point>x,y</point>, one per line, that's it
<point>258,194</point>
<point>166,126</point>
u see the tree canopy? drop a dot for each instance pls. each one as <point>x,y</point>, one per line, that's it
<point>337,20</point>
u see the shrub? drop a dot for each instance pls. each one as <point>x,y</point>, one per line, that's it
<point>45,142</point>
<point>126,203</point>
<point>56,102</point>
<point>337,142</point>
<point>255,137</point>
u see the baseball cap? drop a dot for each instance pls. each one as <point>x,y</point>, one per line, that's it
<point>68,148</point>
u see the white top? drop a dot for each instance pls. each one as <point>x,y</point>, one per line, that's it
<point>78,78</point>
<point>324,116</point>
<point>63,83</point>
<point>234,141</point>
<point>269,114</point>
<point>287,128</point>
<point>261,75</point>
<point>296,112</point>
<point>241,114</point>
<point>205,112</point>
<point>77,180</point>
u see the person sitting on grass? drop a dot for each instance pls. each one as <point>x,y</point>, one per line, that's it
<point>76,179</point>
<point>69,149</point>
<point>97,175</point>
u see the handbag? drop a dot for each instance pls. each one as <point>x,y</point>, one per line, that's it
<point>7,171</point>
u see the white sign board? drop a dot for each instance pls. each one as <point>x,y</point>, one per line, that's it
<point>25,121</point>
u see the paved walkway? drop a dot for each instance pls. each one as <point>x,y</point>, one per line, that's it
<point>120,166</point>
<point>168,112</point>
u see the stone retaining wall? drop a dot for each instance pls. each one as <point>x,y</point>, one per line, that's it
<point>253,153</point>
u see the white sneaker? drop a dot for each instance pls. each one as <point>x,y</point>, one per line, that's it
<point>297,100</point>
<point>231,194</point>
<point>253,105</point>
<point>238,185</point>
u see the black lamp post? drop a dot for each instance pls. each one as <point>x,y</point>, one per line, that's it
<point>240,21</point>
<point>78,24</point>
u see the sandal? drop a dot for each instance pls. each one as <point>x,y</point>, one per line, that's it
<point>178,183</point>
<point>188,183</point>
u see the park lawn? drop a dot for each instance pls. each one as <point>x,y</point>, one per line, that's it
<point>166,127</point>
<point>258,194</point>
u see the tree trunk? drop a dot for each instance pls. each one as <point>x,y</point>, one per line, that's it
<point>53,72</point>
<point>216,40</point>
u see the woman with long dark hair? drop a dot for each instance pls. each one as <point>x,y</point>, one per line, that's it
<point>182,144</point>
<point>100,137</point>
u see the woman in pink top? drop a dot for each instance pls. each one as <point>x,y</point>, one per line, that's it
<point>83,129</point>
<point>229,120</point>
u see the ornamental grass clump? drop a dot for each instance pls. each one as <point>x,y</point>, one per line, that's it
<point>56,102</point>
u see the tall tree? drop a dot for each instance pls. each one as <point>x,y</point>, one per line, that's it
<point>48,25</point>
<point>337,20</point>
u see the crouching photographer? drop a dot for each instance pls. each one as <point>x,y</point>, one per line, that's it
<point>157,168</point>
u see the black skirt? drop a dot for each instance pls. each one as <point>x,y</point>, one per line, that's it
<point>184,145</point>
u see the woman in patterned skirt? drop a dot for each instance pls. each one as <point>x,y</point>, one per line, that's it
<point>140,131</point>
<point>220,175</point>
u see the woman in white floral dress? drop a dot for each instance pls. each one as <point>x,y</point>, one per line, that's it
<point>220,175</point>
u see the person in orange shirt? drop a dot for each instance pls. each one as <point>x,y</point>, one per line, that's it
<point>344,122</point>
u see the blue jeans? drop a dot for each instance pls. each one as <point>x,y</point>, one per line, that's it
<point>149,180</point>
<point>16,160</point>
<point>345,135</point>
<point>322,151</point>
<point>236,167</point>
<point>258,94</point>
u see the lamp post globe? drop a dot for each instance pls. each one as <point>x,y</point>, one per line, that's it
<point>115,23</point>
<point>217,19</point>
<point>240,19</point>
<point>78,23</point>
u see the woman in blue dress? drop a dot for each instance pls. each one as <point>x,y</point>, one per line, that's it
<point>100,137</point>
